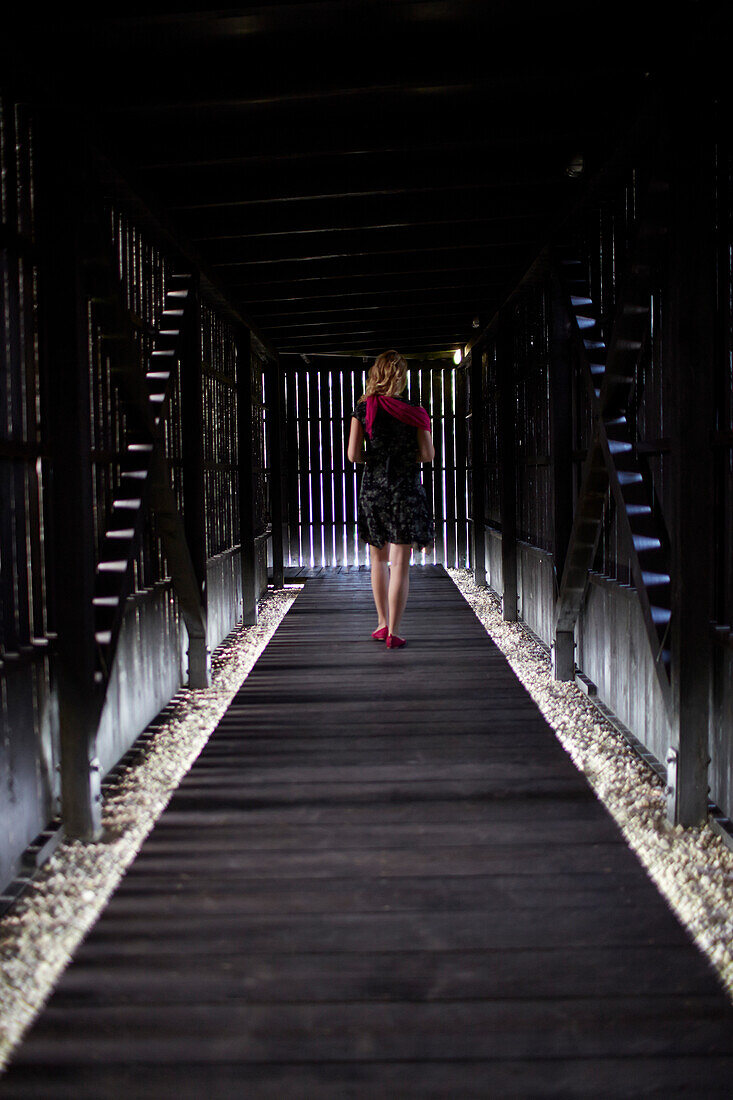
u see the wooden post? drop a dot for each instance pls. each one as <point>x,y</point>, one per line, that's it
<point>246,494</point>
<point>194,507</point>
<point>561,428</point>
<point>561,458</point>
<point>274,386</point>
<point>507,460</point>
<point>64,347</point>
<point>478,465</point>
<point>691,319</point>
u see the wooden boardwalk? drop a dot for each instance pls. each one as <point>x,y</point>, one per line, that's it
<point>382,878</point>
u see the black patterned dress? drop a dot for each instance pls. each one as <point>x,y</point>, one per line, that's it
<point>392,502</point>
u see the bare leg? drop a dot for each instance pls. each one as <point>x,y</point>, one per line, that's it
<point>379,560</point>
<point>399,584</point>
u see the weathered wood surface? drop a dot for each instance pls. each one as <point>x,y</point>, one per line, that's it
<point>383,877</point>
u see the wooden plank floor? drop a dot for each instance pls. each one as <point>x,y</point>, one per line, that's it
<point>382,878</point>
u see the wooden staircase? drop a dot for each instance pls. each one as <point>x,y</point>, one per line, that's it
<point>613,460</point>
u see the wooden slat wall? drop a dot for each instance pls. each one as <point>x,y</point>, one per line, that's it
<point>219,368</point>
<point>461,430</point>
<point>292,527</point>
<point>323,486</point>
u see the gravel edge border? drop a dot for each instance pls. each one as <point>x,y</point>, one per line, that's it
<point>42,930</point>
<point>692,868</point>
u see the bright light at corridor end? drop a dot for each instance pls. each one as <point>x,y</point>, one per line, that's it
<point>457,356</point>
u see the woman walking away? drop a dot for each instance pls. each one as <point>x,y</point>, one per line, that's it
<point>393,510</point>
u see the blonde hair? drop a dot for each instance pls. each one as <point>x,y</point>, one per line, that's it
<point>387,375</point>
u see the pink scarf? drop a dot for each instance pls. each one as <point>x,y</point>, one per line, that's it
<point>408,414</point>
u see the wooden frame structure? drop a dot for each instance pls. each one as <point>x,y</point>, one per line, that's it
<point>138,513</point>
<point>632,346</point>
<point>176,419</point>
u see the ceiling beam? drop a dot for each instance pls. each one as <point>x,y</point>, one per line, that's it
<point>228,149</point>
<point>356,247</point>
<point>278,324</point>
<point>474,215</point>
<point>499,185</point>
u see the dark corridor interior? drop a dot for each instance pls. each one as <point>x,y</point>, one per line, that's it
<point>355,175</point>
<point>213,220</point>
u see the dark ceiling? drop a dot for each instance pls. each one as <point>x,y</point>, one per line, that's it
<point>357,175</point>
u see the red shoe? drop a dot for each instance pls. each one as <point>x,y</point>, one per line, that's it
<point>381,634</point>
<point>393,642</point>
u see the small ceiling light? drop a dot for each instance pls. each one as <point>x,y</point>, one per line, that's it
<point>475,323</point>
<point>457,356</point>
<point>304,357</point>
<point>576,166</point>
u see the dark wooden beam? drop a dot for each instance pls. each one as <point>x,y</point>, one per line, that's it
<point>692,325</point>
<point>561,427</point>
<point>431,304</point>
<point>268,284</point>
<point>478,465</point>
<point>359,246</point>
<point>561,460</point>
<point>424,256</point>
<point>367,317</point>
<point>345,190</point>
<point>329,229</point>
<point>345,347</point>
<point>194,508</point>
<point>384,139</point>
<point>506,424</point>
<point>420,288</point>
<point>61,170</point>
<point>248,551</point>
<point>277,473</point>
<point>449,330</point>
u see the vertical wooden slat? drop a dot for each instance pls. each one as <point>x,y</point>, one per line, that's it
<point>245,427</point>
<point>561,439</point>
<point>360,379</point>
<point>292,497</point>
<point>314,426</point>
<point>436,384</point>
<point>414,387</point>
<point>413,392</point>
<point>274,385</point>
<point>692,324</point>
<point>460,410</point>
<point>449,436</point>
<point>326,466</point>
<point>507,459</point>
<point>477,481</point>
<point>194,512</point>
<point>304,483</point>
<point>303,470</point>
<point>349,403</point>
<point>339,435</point>
<point>15,572</point>
<point>65,344</point>
<point>429,468</point>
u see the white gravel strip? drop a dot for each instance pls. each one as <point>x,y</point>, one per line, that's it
<point>692,868</point>
<point>40,934</point>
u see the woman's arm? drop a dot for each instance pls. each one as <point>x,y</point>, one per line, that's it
<point>425,448</point>
<point>355,450</point>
